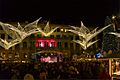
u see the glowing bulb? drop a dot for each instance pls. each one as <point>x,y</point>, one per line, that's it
<point>61,29</point>
<point>50,45</point>
<point>42,45</point>
<point>113,17</point>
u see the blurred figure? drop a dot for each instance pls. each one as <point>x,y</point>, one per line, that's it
<point>28,77</point>
<point>104,75</point>
<point>43,74</point>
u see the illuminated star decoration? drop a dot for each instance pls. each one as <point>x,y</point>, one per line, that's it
<point>47,31</point>
<point>86,35</point>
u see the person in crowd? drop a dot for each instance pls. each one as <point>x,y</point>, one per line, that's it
<point>43,74</point>
<point>104,75</point>
<point>28,77</point>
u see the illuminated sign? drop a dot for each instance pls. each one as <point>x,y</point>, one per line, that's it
<point>98,55</point>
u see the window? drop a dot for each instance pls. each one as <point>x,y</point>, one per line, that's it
<point>77,46</point>
<point>71,45</point>
<point>52,44</point>
<point>32,36</point>
<point>66,30</point>
<point>58,29</point>
<point>71,37</point>
<point>51,36</point>
<point>1,28</point>
<point>24,44</point>
<point>76,37</point>
<point>25,55</point>
<point>59,44</point>
<point>64,36</point>
<point>61,29</point>
<point>46,44</point>
<point>58,36</point>
<point>38,36</point>
<point>3,36</point>
<point>32,44</point>
<point>17,55</point>
<point>66,45</point>
<point>10,55</point>
<point>17,45</point>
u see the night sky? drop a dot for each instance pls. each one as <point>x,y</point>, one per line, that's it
<point>91,12</point>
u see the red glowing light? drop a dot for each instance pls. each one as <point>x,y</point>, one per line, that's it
<point>41,42</point>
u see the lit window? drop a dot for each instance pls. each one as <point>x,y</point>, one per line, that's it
<point>52,44</point>
<point>41,44</point>
<point>61,29</point>
<point>17,55</point>
<point>65,30</point>
<point>25,55</point>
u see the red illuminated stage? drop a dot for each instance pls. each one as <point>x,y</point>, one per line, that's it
<point>47,55</point>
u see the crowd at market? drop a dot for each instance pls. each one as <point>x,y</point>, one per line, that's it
<point>82,70</point>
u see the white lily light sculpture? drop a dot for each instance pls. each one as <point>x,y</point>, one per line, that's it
<point>5,44</point>
<point>47,31</point>
<point>86,35</point>
<point>15,39</point>
<point>27,30</point>
<point>17,33</point>
<point>85,44</point>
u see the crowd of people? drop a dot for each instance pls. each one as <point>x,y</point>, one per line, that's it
<point>82,70</point>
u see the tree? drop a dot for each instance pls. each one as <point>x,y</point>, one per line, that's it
<point>110,42</point>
